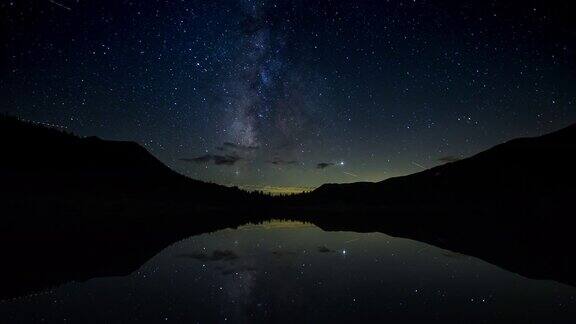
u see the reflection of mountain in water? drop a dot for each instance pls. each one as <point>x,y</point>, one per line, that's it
<point>286,272</point>
<point>511,205</point>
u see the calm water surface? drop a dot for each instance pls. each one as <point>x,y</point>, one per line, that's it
<point>289,271</point>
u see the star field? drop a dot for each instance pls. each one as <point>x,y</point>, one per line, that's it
<point>292,94</point>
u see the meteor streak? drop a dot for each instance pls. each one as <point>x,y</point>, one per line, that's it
<point>60,5</point>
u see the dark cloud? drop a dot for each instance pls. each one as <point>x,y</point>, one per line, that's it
<point>278,161</point>
<point>231,153</point>
<point>324,165</point>
<point>217,255</point>
<point>323,249</point>
<point>225,159</point>
<point>228,159</point>
<point>201,159</point>
<point>237,147</point>
<point>448,159</point>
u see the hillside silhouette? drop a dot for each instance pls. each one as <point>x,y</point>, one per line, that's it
<point>48,174</point>
<point>512,205</point>
<point>538,169</point>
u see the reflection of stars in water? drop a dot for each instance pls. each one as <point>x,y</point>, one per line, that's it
<point>331,284</point>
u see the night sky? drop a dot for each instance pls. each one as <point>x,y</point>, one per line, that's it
<point>281,95</point>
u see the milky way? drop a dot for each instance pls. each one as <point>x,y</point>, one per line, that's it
<point>265,105</point>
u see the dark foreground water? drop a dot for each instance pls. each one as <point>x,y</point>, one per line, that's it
<point>295,272</point>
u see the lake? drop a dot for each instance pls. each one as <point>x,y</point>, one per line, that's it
<point>283,271</point>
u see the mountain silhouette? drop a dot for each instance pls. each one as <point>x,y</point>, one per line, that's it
<point>529,175</point>
<point>75,208</point>
<point>512,205</point>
